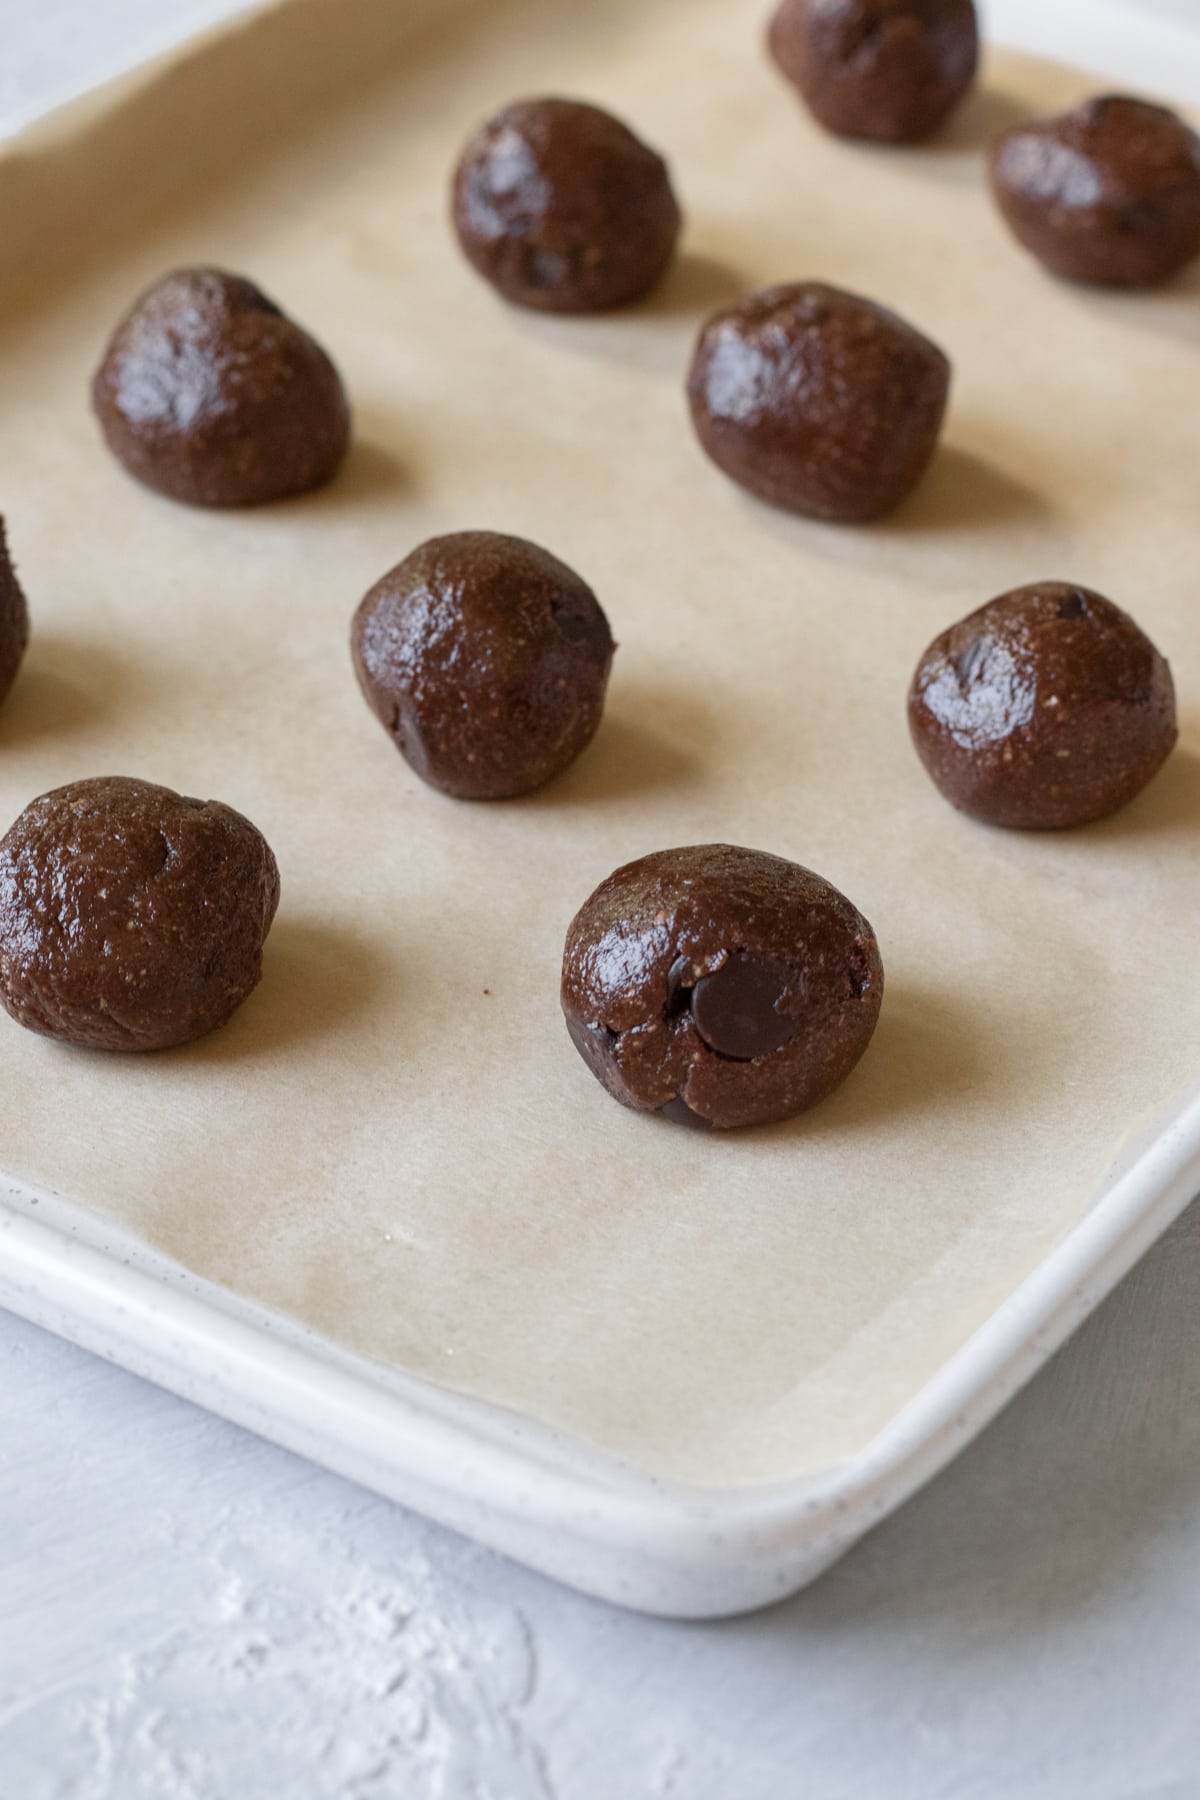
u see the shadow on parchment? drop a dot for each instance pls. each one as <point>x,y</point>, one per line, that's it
<point>369,473</point>
<point>961,490</point>
<point>957,151</point>
<point>655,335</point>
<point>694,285</point>
<point>650,741</point>
<point>1171,311</point>
<point>1168,807</point>
<point>926,1048</point>
<point>63,686</point>
<point>318,978</point>
<point>955,154</point>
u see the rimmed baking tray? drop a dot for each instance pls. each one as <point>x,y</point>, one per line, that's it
<point>385,1218</point>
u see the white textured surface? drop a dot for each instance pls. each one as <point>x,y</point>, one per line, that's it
<point>188,1614</point>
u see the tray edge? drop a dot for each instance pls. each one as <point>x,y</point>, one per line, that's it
<point>535,1495</point>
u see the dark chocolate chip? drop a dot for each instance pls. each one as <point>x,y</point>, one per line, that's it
<point>793,964</point>
<point>736,1011</point>
<point>585,626</point>
<point>679,987</point>
<point>595,1043</point>
<point>680,1113</point>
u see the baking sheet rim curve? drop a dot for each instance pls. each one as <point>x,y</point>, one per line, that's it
<point>532,1493</point>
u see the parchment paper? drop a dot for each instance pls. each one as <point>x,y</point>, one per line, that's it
<point>394,1140</point>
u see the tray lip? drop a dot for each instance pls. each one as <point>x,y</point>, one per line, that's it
<point>653,1545</point>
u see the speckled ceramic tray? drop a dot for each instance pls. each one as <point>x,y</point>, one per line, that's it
<point>385,1217</point>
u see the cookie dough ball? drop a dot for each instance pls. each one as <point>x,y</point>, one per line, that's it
<point>486,660</point>
<point>14,618</point>
<point>1046,708</point>
<point>818,401</point>
<point>1108,193</point>
<point>892,70</point>
<point>720,985</point>
<point>131,918</point>
<point>208,393</point>
<point>560,207</point>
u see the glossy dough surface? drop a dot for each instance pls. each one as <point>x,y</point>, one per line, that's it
<point>1046,708</point>
<point>1107,193</point>
<point>562,208</point>
<point>131,917</point>
<point>891,70</point>
<point>209,394</point>
<point>721,983</point>
<point>486,659</point>
<point>818,400</point>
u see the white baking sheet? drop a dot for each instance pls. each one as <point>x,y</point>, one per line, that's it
<point>423,1173</point>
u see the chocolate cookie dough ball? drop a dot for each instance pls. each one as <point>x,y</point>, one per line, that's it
<point>14,618</point>
<point>1108,193</point>
<point>720,986</point>
<point>1046,708</point>
<point>818,401</point>
<point>486,660</point>
<point>131,918</point>
<point>208,393</point>
<point>560,207</point>
<point>892,70</point>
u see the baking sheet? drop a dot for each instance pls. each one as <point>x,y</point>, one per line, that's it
<point>425,1171</point>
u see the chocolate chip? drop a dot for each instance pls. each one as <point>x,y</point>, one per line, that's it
<point>795,970</point>
<point>679,986</point>
<point>680,1113</point>
<point>585,626</point>
<point>736,1010</point>
<point>594,1043</point>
